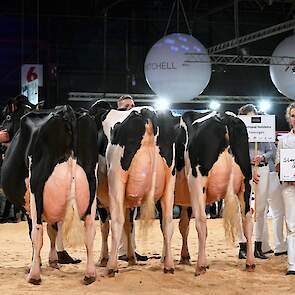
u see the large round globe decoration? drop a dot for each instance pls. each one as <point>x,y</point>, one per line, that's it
<point>283,76</point>
<point>168,72</point>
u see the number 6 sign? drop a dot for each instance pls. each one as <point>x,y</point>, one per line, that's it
<point>31,72</point>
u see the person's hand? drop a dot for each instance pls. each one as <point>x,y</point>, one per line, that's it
<point>255,176</point>
<point>258,159</point>
<point>4,136</point>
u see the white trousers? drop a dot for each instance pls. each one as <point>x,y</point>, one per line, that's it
<point>261,196</point>
<point>268,192</point>
<point>276,203</point>
<point>289,200</point>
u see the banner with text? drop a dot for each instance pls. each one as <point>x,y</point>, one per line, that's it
<point>260,128</point>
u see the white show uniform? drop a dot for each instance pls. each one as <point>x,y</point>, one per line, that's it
<point>287,141</point>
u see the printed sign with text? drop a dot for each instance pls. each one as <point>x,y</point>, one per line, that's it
<point>287,164</point>
<point>260,128</point>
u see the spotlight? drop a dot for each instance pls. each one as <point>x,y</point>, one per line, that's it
<point>264,106</point>
<point>162,104</point>
<point>214,105</point>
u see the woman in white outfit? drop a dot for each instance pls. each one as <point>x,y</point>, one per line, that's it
<point>276,204</point>
<point>287,141</point>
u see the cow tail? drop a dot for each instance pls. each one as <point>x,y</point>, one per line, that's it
<point>72,228</point>
<point>231,213</point>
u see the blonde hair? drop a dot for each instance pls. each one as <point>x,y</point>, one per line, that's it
<point>288,112</point>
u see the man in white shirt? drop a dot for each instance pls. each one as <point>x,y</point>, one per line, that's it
<point>260,173</point>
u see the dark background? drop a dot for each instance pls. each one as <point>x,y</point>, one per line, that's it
<point>68,37</point>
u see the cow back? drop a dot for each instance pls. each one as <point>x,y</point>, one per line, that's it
<point>45,138</point>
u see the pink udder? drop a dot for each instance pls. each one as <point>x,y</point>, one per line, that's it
<point>57,190</point>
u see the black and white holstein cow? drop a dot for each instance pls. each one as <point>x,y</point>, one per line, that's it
<point>15,108</point>
<point>136,168</point>
<point>49,170</point>
<point>212,163</point>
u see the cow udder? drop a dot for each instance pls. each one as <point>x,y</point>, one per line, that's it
<point>139,176</point>
<point>57,189</point>
<point>218,178</point>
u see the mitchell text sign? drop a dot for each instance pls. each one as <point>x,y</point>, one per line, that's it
<point>260,128</point>
<point>287,164</point>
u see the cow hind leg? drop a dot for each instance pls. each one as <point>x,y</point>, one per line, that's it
<point>104,229</point>
<point>128,227</point>
<point>90,230</point>
<point>185,216</point>
<point>53,258</point>
<point>34,276</point>
<point>247,225</point>
<point>198,201</point>
<point>160,214</point>
<point>167,210</point>
<point>37,239</point>
<point>116,194</point>
<point>30,227</point>
<point>248,228</point>
<point>201,226</point>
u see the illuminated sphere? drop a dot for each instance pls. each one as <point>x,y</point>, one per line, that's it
<point>170,75</point>
<point>283,76</point>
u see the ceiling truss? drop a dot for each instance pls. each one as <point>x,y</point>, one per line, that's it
<point>242,60</point>
<point>151,98</point>
<point>271,31</point>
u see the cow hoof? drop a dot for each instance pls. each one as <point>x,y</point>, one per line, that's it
<point>185,260</point>
<point>132,261</point>
<point>88,280</point>
<point>169,270</point>
<point>250,267</point>
<point>34,281</point>
<point>103,262</point>
<point>54,264</point>
<point>201,270</point>
<point>112,272</point>
<point>28,268</point>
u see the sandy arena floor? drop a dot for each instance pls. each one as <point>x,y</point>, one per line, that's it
<point>225,276</point>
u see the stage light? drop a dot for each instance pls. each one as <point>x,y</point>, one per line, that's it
<point>162,104</point>
<point>264,106</point>
<point>214,105</point>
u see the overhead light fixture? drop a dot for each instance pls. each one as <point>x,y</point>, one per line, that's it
<point>214,105</point>
<point>162,104</point>
<point>264,106</point>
